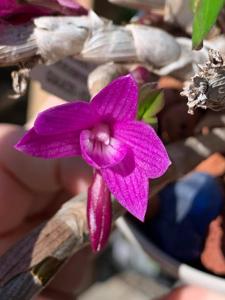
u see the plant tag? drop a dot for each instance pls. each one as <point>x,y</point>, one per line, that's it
<point>66,79</point>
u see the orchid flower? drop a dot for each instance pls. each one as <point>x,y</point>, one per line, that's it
<point>124,153</point>
<point>15,12</point>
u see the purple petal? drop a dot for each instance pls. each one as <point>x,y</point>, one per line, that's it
<point>129,185</point>
<point>99,213</point>
<point>65,118</point>
<point>69,3</point>
<point>74,6</point>
<point>150,153</point>
<point>16,13</point>
<point>55,146</point>
<point>70,7</point>
<point>99,155</point>
<point>118,100</point>
<point>9,8</point>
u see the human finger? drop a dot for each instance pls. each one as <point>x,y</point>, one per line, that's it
<point>192,293</point>
<point>28,185</point>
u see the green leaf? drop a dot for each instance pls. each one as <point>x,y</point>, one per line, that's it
<point>205,16</point>
<point>150,120</point>
<point>150,103</point>
<point>194,4</point>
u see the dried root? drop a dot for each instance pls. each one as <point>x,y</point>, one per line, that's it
<point>207,87</point>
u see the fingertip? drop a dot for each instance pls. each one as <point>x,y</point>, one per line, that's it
<point>75,175</point>
<point>35,173</point>
<point>9,239</point>
<point>192,293</point>
<point>14,202</point>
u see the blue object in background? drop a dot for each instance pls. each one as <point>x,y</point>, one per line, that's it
<point>186,209</point>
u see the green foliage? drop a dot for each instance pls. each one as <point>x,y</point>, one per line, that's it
<point>151,101</point>
<point>205,15</point>
<point>194,4</point>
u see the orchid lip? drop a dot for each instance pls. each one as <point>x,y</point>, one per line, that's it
<point>99,147</point>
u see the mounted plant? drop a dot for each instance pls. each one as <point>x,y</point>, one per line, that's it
<point>120,133</point>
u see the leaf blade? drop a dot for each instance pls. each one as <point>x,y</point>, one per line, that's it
<point>151,101</point>
<point>205,15</point>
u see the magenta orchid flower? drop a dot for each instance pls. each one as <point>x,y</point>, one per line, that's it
<point>125,153</point>
<point>15,12</point>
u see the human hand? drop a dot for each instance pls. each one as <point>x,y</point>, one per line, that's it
<point>31,191</point>
<point>192,293</point>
